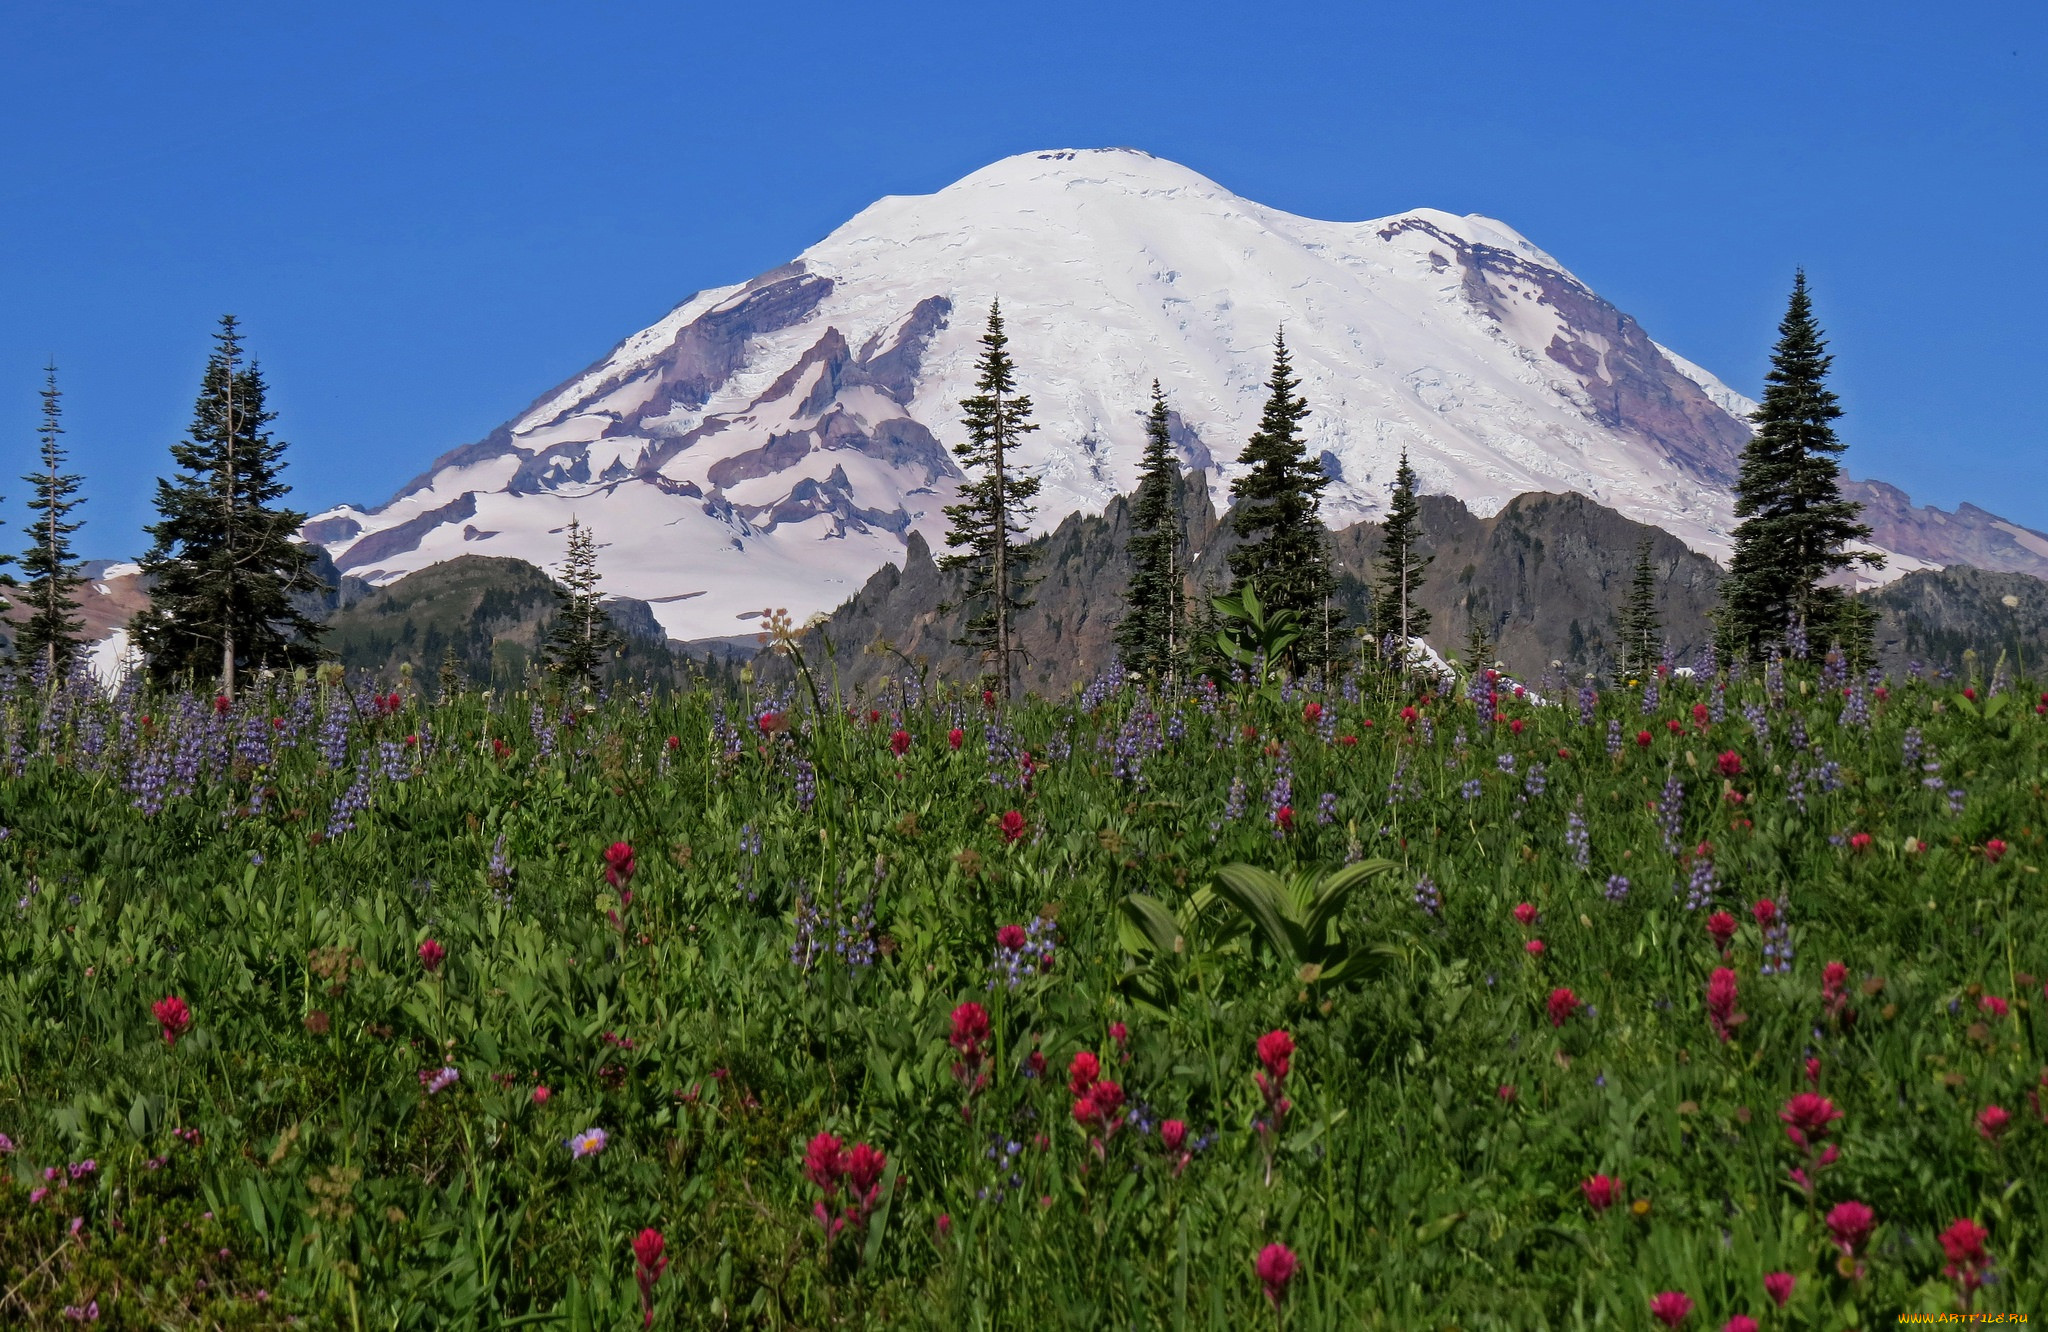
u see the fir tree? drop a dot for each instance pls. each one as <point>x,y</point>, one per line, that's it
<point>581,637</point>
<point>1795,522</point>
<point>1276,506</point>
<point>1479,645</point>
<point>1401,569</point>
<point>225,561</point>
<point>51,630</point>
<point>994,514</point>
<point>1154,632</point>
<point>1641,630</point>
<point>452,676</point>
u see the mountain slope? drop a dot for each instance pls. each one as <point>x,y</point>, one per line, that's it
<point>773,442</point>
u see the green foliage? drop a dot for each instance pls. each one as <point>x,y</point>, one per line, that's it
<point>993,517</point>
<point>1795,524</point>
<point>225,558</point>
<point>810,907</point>
<point>1298,918</point>
<point>1253,636</point>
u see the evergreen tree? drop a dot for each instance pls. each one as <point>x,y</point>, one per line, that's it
<point>1276,507</point>
<point>1153,633</point>
<point>1395,610</point>
<point>1479,645</point>
<point>51,630</point>
<point>225,560</point>
<point>1642,631</point>
<point>994,514</point>
<point>581,637</point>
<point>1795,522</point>
<point>452,676</point>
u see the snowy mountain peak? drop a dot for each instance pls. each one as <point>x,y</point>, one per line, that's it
<point>773,442</point>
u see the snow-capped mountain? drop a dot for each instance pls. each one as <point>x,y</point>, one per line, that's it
<point>773,443</point>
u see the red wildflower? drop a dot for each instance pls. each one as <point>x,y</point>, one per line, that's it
<point>1778,1285</point>
<point>1731,764</point>
<point>1994,1005</point>
<point>432,954</point>
<point>824,1162</point>
<point>943,1227</point>
<point>1813,1072</point>
<point>648,1265</point>
<point>1276,1051</point>
<point>1671,1307</point>
<point>618,864</point>
<point>1994,850</point>
<point>1284,816</point>
<point>899,742</point>
<point>970,1029</point>
<point>1348,741</point>
<point>1100,1107</point>
<point>1534,948</point>
<point>1276,1267</point>
<point>173,1016</point>
<point>1808,1116</point>
<point>1969,693</point>
<point>1722,926</point>
<point>1721,1002</point>
<point>1859,842</point>
<point>1700,715</point>
<point>874,715</point>
<point>1643,739</point>
<point>1012,937</point>
<point>1013,826</point>
<point>1507,1092</point>
<point>1739,1323</point>
<point>1765,910</point>
<point>1082,1072</point>
<point>541,1095</point>
<point>1311,713</point>
<point>769,722</point>
<point>221,704</point>
<point>954,737</point>
<point>1525,912</point>
<point>1515,725</point>
<point>1119,1033</point>
<point>1563,1003</point>
<point>988,698</point>
<point>1409,715</point>
<point>1673,725</point>
<point>1963,1243</point>
<point>1173,1133</point>
<point>864,1166</point>
<point>1851,1223</point>
<point>1991,1122</point>
<point>674,743</point>
<point>1601,1192</point>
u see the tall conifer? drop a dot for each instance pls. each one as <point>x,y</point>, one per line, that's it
<point>1795,523</point>
<point>1642,630</point>
<point>994,515</point>
<point>1401,567</point>
<point>1275,505</point>
<point>582,637</point>
<point>226,560</point>
<point>1153,632</point>
<point>51,630</point>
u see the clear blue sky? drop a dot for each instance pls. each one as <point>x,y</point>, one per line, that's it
<point>428,214</point>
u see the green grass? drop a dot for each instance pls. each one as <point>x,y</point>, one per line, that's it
<point>1427,1174</point>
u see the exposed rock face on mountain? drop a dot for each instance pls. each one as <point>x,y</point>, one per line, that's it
<point>775,442</point>
<point>1547,573</point>
<point>1934,616</point>
<point>1926,536</point>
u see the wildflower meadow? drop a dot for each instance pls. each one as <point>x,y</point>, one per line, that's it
<point>1713,1002</point>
